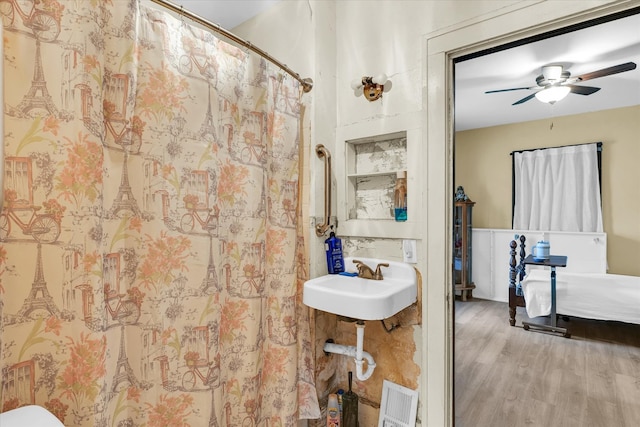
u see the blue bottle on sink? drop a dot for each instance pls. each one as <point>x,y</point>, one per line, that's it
<point>333,251</point>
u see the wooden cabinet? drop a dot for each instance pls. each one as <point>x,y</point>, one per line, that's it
<point>462,254</point>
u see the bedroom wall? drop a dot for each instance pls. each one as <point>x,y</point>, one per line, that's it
<point>483,168</point>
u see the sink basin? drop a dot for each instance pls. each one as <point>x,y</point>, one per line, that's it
<point>363,299</point>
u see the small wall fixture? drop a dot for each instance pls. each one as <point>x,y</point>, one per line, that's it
<point>553,94</point>
<point>371,87</point>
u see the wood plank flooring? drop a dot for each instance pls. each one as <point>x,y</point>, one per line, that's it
<point>508,377</point>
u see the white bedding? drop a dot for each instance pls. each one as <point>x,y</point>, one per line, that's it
<point>591,296</point>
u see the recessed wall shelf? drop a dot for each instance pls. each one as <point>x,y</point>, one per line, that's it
<point>367,161</point>
<point>372,164</point>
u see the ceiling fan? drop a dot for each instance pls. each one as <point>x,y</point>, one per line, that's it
<point>555,83</point>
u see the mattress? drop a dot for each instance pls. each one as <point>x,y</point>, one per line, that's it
<point>591,296</point>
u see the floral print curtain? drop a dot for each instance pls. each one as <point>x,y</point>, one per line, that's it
<point>152,255</point>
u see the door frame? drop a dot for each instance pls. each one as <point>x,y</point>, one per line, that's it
<point>509,24</point>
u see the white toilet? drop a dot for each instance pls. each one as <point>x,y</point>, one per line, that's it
<point>31,415</point>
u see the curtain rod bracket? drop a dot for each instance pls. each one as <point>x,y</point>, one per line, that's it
<point>307,85</point>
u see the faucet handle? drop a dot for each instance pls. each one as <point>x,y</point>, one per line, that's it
<point>378,274</point>
<point>359,264</point>
<point>364,270</point>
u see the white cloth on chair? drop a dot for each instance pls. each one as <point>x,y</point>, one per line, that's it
<point>29,416</point>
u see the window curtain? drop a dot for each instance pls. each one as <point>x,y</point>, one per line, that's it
<point>152,255</point>
<point>557,189</point>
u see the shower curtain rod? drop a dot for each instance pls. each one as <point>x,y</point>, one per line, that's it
<point>307,83</point>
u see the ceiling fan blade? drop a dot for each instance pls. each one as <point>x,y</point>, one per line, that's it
<point>525,99</point>
<point>621,68</point>
<point>583,90</point>
<point>508,90</point>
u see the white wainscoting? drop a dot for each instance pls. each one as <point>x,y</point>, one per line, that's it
<point>586,253</point>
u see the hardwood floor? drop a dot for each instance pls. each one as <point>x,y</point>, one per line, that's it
<point>507,377</point>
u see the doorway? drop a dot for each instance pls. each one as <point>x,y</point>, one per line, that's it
<point>441,50</point>
<point>494,175</point>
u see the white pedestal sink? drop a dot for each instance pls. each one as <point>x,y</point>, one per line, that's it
<point>364,299</point>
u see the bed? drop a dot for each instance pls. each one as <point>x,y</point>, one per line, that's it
<point>599,296</point>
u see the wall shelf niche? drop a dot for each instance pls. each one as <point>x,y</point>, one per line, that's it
<point>372,164</point>
<point>366,175</point>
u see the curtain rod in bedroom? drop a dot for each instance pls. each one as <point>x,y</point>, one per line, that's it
<point>307,83</point>
<point>562,146</point>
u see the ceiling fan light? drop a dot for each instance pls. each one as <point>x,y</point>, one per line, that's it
<point>553,94</point>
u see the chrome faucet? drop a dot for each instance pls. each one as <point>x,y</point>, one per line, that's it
<point>366,272</point>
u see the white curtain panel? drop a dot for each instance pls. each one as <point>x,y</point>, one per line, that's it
<point>557,189</point>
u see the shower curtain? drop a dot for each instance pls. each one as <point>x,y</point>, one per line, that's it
<point>152,253</point>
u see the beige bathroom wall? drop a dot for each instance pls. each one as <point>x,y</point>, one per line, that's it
<point>483,168</point>
<point>335,42</point>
